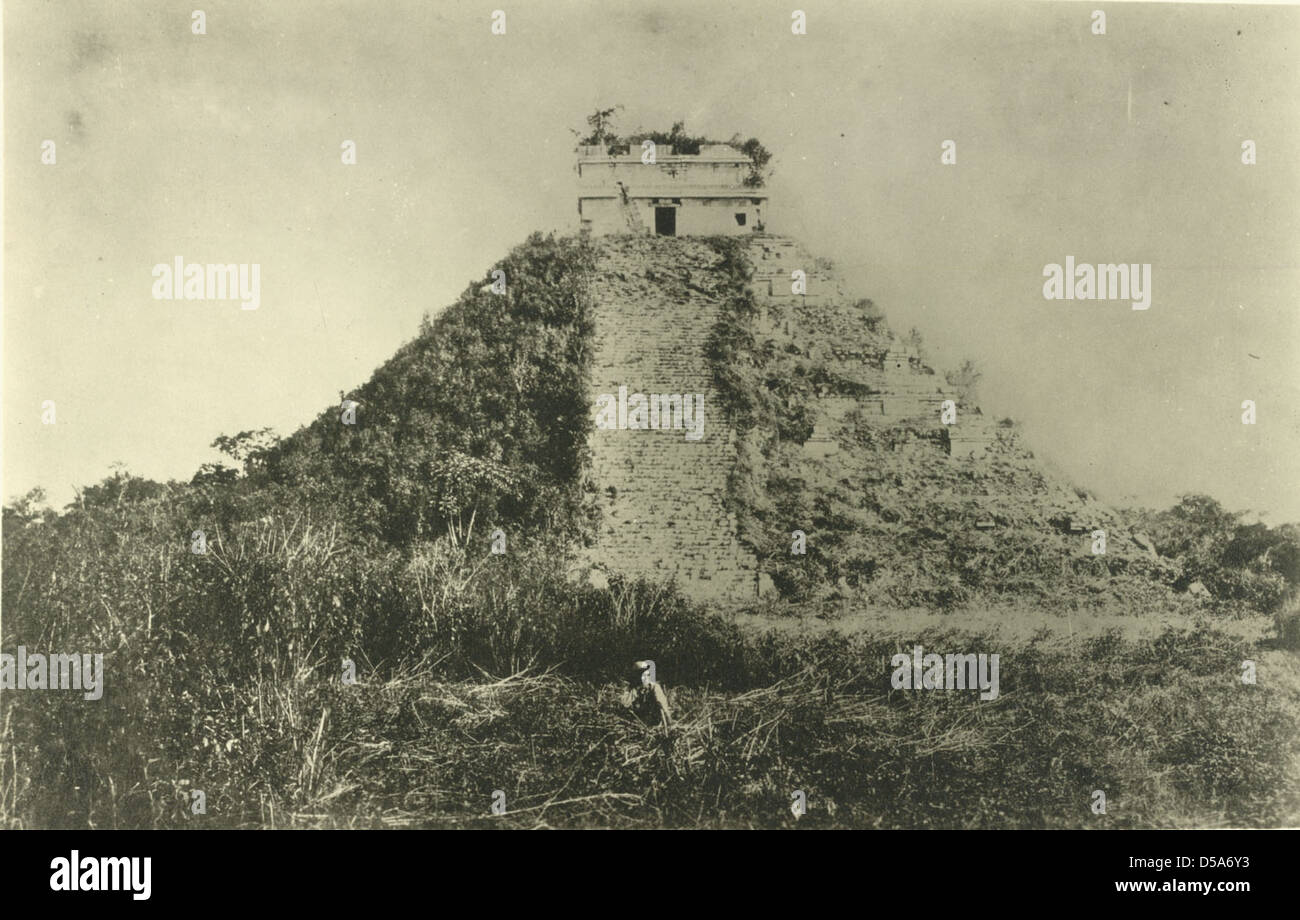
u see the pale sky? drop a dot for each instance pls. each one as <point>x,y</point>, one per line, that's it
<point>225,147</point>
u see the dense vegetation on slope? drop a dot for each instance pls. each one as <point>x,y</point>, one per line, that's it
<point>891,518</point>
<point>483,415</point>
<point>223,668</point>
<point>337,542</point>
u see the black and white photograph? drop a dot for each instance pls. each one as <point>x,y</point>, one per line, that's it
<point>650,415</point>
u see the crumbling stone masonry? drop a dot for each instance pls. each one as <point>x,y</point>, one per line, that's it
<point>662,497</point>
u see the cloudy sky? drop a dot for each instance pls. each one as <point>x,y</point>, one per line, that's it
<point>225,147</point>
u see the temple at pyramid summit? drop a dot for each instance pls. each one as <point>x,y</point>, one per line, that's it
<point>710,193</point>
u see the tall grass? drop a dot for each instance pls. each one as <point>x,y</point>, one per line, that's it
<point>480,673</point>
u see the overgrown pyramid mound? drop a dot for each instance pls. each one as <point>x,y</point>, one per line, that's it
<point>818,420</point>
<point>793,418</point>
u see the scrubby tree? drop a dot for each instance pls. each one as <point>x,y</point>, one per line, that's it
<point>247,448</point>
<point>466,485</point>
<point>23,511</point>
<point>915,341</point>
<point>600,123</point>
<point>965,382</point>
<point>1250,563</point>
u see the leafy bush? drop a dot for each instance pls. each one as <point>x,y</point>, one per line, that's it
<point>1251,565</point>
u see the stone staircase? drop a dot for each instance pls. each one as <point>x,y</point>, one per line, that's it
<point>662,497</point>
